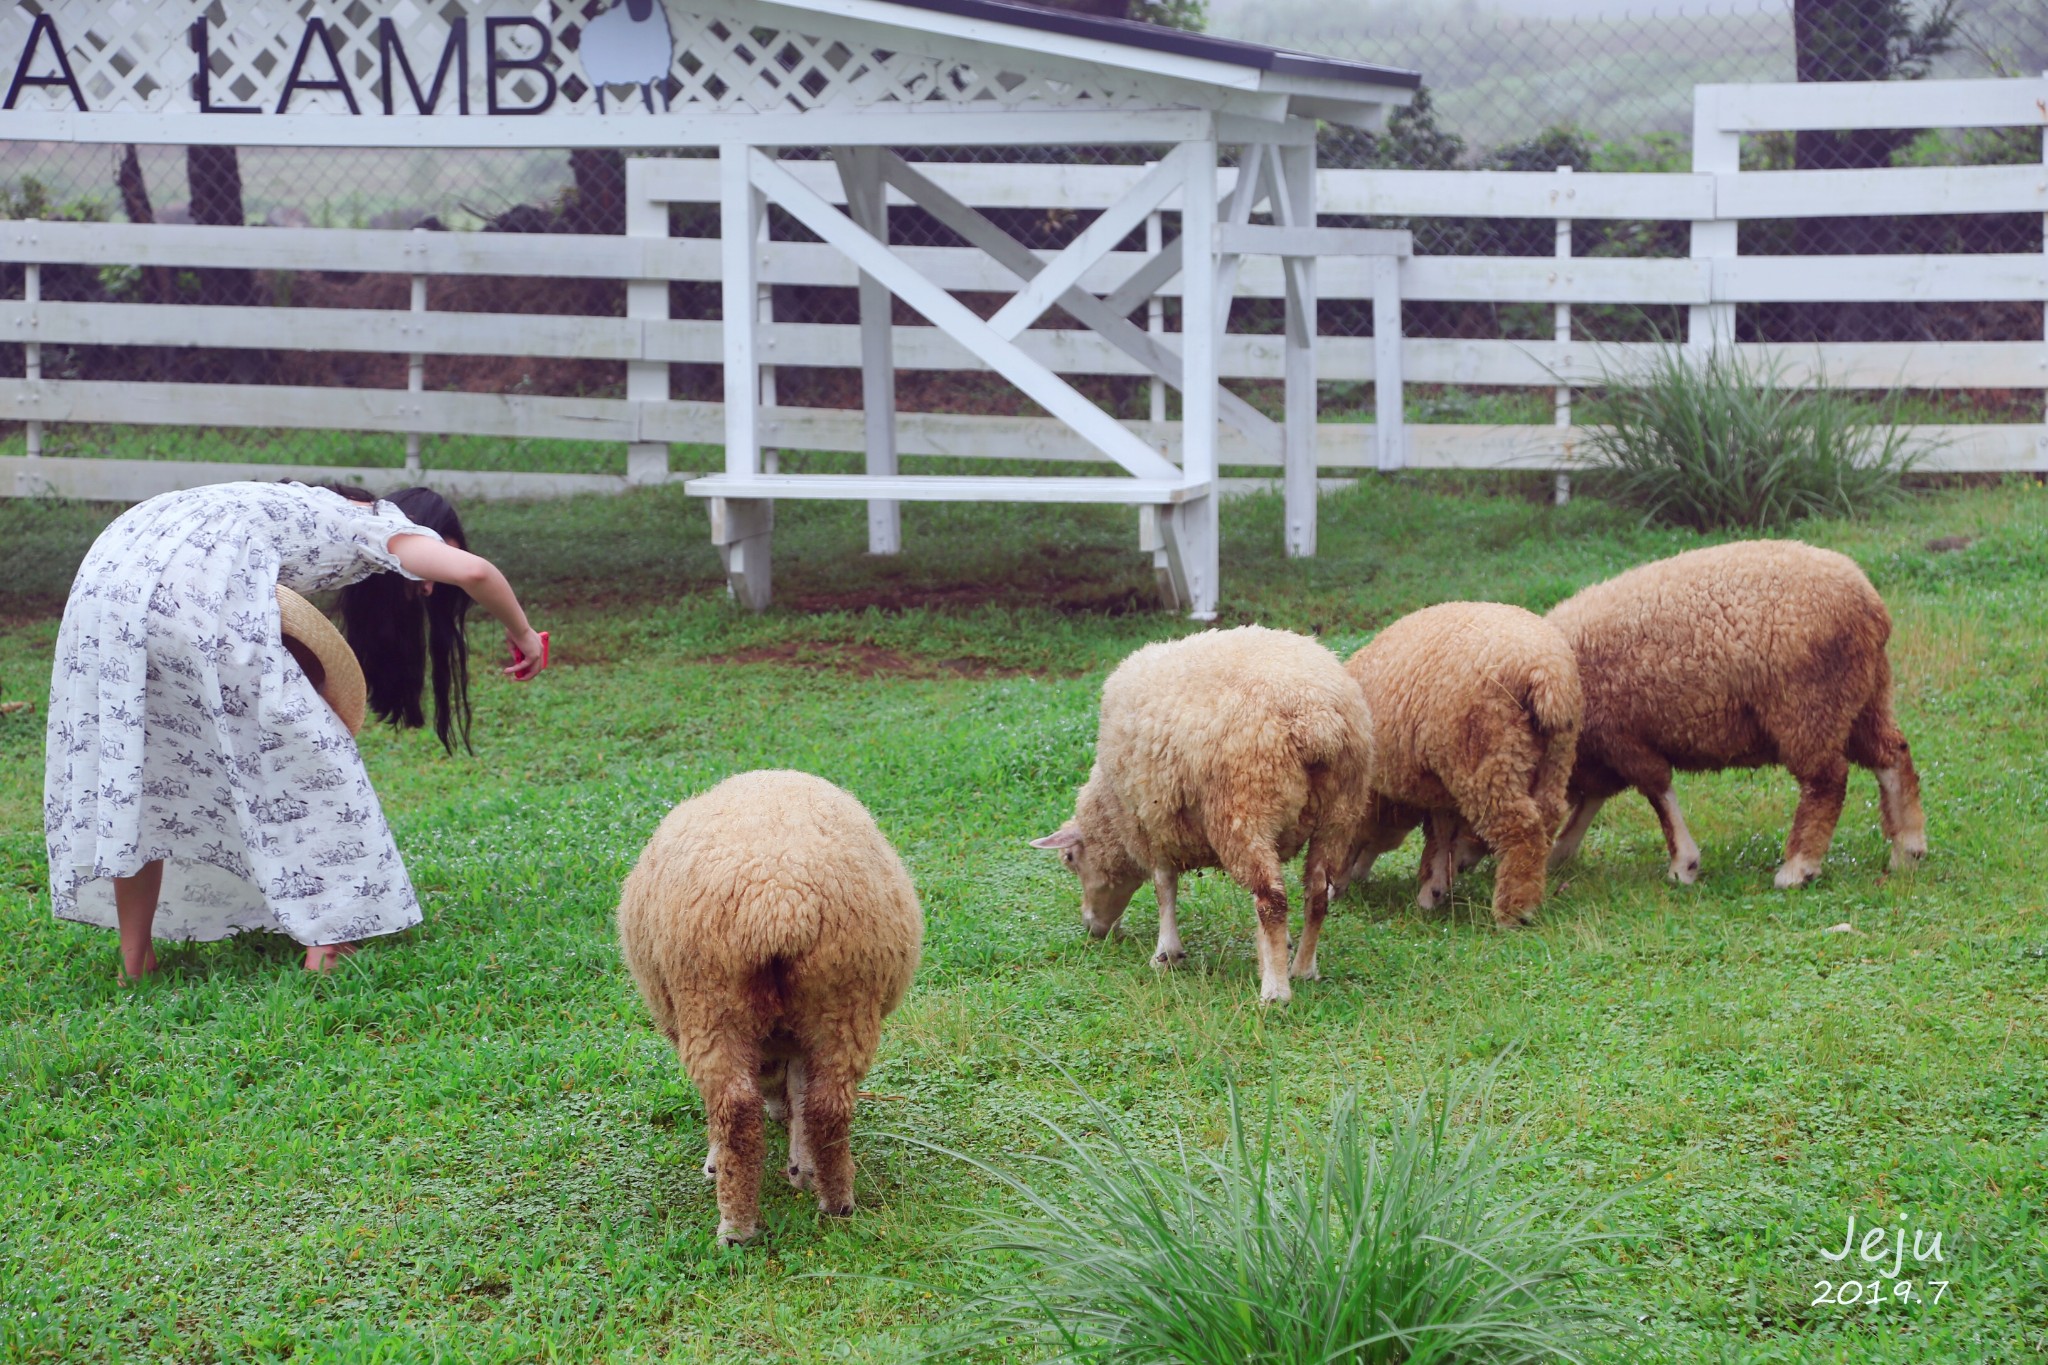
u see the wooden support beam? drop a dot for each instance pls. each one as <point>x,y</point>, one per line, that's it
<point>860,171</point>
<point>1293,196</point>
<point>742,529</point>
<point>741,208</point>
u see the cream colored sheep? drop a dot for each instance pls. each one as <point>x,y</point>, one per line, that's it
<point>1761,652</point>
<point>770,928</point>
<point>1232,748</point>
<point>1476,710</point>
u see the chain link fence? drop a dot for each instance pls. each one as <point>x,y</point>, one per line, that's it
<point>1519,90</point>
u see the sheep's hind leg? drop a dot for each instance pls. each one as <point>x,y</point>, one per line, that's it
<point>1438,843</point>
<point>1518,834</point>
<point>1822,790</point>
<point>1574,832</point>
<point>803,1166</point>
<point>734,1105</point>
<point>1168,954</point>
<point>1256,867</point>
<point>1876,743</point>
<point>1317,891</point>
<point>829,1092</point>
<point>1685,853</point>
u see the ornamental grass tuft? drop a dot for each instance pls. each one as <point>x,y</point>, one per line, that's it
<point>1725,444</point>
<point>1424,1242</point>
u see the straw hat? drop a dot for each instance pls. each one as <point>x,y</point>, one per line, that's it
<point>326,657</point>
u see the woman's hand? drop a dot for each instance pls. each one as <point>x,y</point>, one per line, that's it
<point>434,562</point>
<point>529,653</point>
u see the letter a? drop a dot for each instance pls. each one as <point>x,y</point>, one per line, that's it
<point>44,25</point>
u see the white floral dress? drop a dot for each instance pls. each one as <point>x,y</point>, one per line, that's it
<point>181,729</point>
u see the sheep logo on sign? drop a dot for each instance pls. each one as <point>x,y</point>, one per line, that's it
<point>628,44</point>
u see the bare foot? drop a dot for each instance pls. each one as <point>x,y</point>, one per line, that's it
<point>133,970</point>
<point>322,957</point>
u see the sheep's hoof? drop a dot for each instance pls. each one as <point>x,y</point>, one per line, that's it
<point>1795,874</point>
<point>801,1177</point>
<point>731,1236</point>
<point>776,1109</point>
<point>842,1210</point>
<point>711,1167</point>
<point>1685,874</point>
<point>1166,960</point>
<point>1514,919</point>
<point>1908,853</point>
<point>1277,994</point>
<point>1312,973</point>
<point>1430,897</point>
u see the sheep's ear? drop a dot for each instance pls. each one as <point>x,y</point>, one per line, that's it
<point>1065,838</point>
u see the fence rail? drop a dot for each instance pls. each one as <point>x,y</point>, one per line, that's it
<point>1713,280</point>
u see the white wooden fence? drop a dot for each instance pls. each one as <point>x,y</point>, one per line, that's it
<point>1711,282</point>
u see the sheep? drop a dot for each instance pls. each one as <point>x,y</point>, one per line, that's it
<point>1760,652</point>
<point>628,44</point>
<point>770,928</point>
<point>1476,710</point>
<point>1231,748</point>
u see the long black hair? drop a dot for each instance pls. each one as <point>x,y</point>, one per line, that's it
<point>401,633</point>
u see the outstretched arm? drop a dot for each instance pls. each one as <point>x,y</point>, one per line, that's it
<point>439,563</point>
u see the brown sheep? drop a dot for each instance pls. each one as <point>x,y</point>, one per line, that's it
<point>1476,710</point>
<point>770,928</point>
<point>1231,748</point>
<point>1760,652</point>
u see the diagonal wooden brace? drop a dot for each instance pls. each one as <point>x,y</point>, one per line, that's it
<point>1104,319</point>
<point>999,353</point>
<point>1064,271</point>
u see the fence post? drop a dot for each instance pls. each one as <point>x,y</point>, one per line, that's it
<point>1711,326</point>
<point>646,380</point>
<point>1561,491</point>
<point>416,367</point>
<point>32,355</point>
<point>1388,417</point>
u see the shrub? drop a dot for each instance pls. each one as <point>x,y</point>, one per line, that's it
<point>1290,1246</point>
<point>1723,443</point>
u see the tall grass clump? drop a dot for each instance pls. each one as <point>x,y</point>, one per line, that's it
<point>1291,1245</point>
<point>1723,443</point>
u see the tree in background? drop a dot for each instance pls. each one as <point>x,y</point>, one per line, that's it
<point>1858,40</point>
<point>1864,40</point>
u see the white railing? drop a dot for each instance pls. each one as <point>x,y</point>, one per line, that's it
<point>1710,282</point>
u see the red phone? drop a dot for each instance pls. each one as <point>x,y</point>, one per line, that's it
<point>519,658</point>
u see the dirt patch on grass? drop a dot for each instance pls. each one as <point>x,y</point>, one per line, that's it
<point>857,660</point>
<point>1070,597</point>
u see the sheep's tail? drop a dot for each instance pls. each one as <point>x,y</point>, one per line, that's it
<point>1553,699</point>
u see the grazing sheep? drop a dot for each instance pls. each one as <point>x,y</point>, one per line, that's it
<point>1476,711</point>
<point>1760,652</point>
<point>1231,748</point>
<point>770,928</point>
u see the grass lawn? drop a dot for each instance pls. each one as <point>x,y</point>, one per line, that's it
<point>469,1144</point>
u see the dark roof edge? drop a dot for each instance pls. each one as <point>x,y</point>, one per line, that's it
<point>1151,37</point>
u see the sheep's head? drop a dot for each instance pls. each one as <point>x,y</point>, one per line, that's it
<point>1108,876</point>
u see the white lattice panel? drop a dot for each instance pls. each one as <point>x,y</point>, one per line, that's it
<point>138,55</point>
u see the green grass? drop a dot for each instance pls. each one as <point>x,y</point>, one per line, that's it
<point>470,1144</point>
